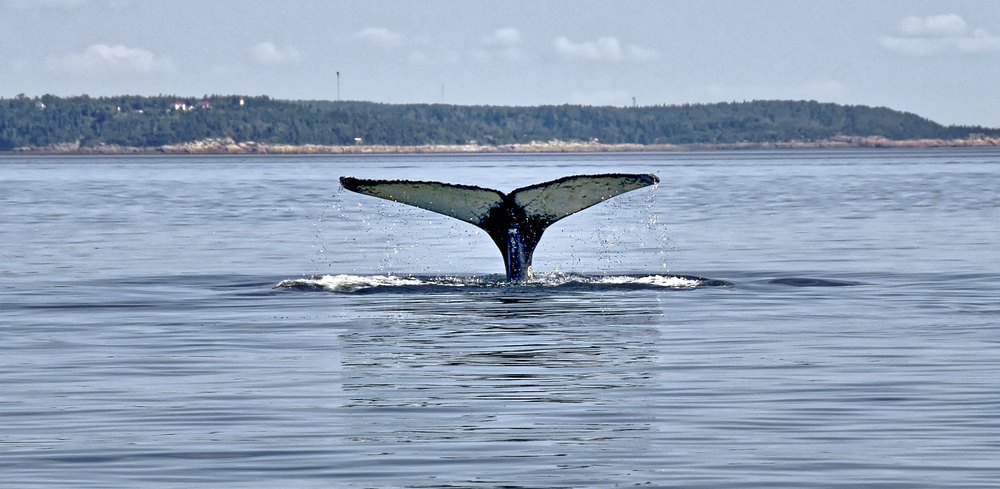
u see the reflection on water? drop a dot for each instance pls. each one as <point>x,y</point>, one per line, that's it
<point>483,378</point>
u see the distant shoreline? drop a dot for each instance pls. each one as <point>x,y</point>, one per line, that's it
<point>228,146</point>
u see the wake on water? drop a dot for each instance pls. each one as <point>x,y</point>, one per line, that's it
<point>541,281</point>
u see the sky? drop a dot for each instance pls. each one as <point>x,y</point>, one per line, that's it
<point>938,59</point>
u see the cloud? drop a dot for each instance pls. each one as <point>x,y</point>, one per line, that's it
<point>380,36</point>
<point>935,25</point>
<point>508,36</point>
<point>603,49</point>
<point>939,34</point>
<point>600,98</point>
<point>105,60</point>
<point>503,44</point>
<point>268,54</point>
<point>606,48</point>
<point>641,54</point>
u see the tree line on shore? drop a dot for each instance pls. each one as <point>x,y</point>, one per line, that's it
<point>160,120</point>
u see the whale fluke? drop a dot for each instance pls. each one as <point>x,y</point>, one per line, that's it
<point>514,221</point>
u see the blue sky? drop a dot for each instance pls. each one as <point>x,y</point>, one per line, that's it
<point>938,59</point>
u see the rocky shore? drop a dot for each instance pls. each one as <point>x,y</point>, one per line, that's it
<point>229,146</point>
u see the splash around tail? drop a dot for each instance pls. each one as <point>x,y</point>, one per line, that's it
<point>555,281</point>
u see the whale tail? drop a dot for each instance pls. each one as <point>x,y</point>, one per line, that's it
<point>514,221</point>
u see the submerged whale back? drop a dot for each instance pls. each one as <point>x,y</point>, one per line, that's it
<point>514,221</point>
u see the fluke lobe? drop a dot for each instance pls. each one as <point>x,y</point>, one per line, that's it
<point>516,220</point>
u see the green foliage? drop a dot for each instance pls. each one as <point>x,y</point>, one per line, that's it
<point>755,122</point>
<point>154,121</point>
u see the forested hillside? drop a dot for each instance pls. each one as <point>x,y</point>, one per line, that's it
<point>155,121</point>
<point>758,121</point>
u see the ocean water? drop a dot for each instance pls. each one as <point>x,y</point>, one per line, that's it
<point>823,319</point>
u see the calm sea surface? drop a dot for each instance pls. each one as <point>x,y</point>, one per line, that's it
<point>243,322</point>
